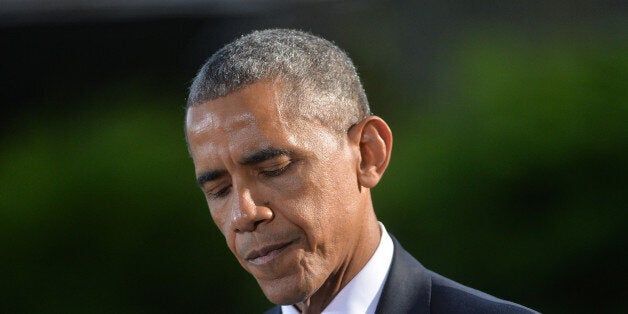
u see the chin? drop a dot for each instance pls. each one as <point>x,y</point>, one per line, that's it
<point>285,294</point>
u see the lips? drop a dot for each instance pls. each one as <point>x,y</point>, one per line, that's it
<point>265,254</point>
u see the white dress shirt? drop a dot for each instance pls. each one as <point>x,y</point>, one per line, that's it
<point>362,293</point>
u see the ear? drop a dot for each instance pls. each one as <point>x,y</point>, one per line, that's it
<point>375,144</point>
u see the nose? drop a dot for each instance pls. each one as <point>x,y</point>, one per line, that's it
<point>246,215</point>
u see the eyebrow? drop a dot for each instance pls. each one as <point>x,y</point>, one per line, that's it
<point>263,155</point>
<point>209,176</point>
<point>254,158</point>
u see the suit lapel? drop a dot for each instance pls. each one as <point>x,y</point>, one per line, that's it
<point>408,286</point>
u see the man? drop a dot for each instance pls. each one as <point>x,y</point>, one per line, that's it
<point>286,151</point>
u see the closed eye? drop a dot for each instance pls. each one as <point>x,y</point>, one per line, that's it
<point>276,172</point>
<point>221,193</point>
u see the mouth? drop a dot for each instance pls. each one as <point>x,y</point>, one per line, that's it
<point>266,254</point>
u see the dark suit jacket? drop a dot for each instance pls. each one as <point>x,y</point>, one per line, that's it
<point>411,288</point>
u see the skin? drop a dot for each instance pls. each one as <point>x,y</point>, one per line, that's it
<point>291,198</point>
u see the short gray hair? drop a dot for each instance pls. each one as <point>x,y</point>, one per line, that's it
<point>322,82</point>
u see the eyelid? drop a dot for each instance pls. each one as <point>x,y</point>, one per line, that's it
<point>282,167</point>
<point>219,194</point>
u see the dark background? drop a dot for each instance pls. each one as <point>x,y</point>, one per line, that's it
<point>509,169</point>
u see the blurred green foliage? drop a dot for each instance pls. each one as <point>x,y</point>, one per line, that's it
<point>521,173</point>
<point>512,179</point>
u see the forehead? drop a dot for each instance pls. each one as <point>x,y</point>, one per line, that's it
<point>250,111</point>
<point>249,119</point>
<point>254,102</point>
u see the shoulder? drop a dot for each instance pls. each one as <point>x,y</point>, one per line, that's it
<point>433,293</point>
<point>449,296</point>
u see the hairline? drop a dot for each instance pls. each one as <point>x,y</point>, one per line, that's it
<point>283,89</point>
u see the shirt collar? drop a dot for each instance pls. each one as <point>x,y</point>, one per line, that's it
<point>362,293</point>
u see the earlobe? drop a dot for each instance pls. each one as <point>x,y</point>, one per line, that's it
<point>375,144</point>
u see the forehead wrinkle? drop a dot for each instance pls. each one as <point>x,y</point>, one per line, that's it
<point>240,121</point>
<point>209,120</point>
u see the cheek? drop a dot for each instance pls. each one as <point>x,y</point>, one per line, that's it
<point>315,201</point>
<point>337,194</point>
<point>296,201</point>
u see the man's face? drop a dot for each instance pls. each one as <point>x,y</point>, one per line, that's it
<point>282,190</point>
